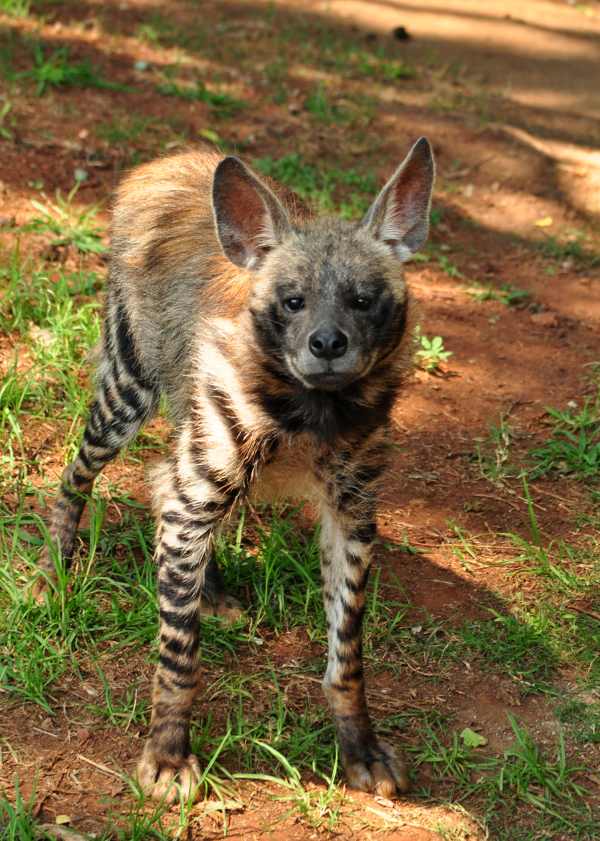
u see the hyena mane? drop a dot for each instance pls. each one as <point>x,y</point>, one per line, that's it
<point>280,341</point>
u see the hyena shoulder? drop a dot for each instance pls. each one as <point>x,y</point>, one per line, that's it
<point>168,269</point>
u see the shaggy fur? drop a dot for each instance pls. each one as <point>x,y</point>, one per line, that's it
<point>280,342</point>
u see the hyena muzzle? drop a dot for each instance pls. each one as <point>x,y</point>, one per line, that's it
<point>280,342</point>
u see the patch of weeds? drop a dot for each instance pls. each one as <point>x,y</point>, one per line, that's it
<point>519,646</point>
<point>523,775</point>
<point>463,548</point>
<point>15,8</point>
<point>156,29</point>
<point>453,762</point>
<point>321,808</point>
<point>220,104</point>
<point>103,602</point>
<point>124,710</point>
<point>493,453</point>
<point>17,822</point>
<point>57,70</point>
<point>31,296</point>
<point>436,216</point>
<point>379,67</point>
<point>18,392</point>
<point>6,122</point>
<point>431,353</point>
<point>121,130</point>
<point>319,105</point>
<point>276,74</point>
<point>448,267</point>
<point>68,224</point>
<point>574,447</point>
<point>548,786</point>
<point>582,720</point>
<point>506,293</point>
<point>280,738</point>
<point>539,559</point>
<point>569,249</point>
<point>348,191</point>
<point>144,824</point>
<point>281,579</point>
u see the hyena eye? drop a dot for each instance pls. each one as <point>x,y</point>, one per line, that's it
<point>361,302</point>
<point>294,304</point>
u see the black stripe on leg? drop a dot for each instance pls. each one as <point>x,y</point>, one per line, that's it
<point>222,403</point>
<point>176,666</point>
<point>358,586</point>
<point>353,617</point>
<point>126,348</point>
<point>365,533</point>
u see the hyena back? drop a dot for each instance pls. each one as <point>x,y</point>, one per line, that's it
<point>280,342</point>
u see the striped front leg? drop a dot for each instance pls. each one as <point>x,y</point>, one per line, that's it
<point>187,516</point>
<point>346,541</point>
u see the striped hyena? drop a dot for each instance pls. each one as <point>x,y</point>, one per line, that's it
<point>280,342</point>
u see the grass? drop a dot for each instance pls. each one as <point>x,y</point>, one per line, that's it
<point>574,446</point>
<point>107,608</point>
<point>532,578</point>
<point>582,719</point>
<point>506,293</point>
<point>514,645</point>
<point>547,784</point>
<point>319,105</point>
<point>493,452</point>
<point>57,70</point>
<point>15,8</point>
<point>67,224</point>
<point>221,104</point>
<point>348,192</point>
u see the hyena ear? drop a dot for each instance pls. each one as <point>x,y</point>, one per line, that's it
<point>399,216</point>
<point>249,219</point>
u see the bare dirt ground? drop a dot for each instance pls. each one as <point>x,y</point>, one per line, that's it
<point>509,94</point>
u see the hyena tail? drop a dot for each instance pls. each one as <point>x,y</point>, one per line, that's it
<point>126,396</point>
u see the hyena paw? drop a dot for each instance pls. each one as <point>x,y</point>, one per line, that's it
<point>168,782</point>
<point>374,767</point>
<point>39,588</point>
<point>225,607</point>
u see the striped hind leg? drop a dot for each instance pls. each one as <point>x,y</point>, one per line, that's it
<point>125,399</point>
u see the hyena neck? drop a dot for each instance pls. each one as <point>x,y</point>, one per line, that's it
<point>352,414</point>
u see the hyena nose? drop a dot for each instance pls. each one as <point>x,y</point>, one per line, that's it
<point>328,343</point>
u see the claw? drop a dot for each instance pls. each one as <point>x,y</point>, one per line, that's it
<point>167,783</point>
<point>380,771</point>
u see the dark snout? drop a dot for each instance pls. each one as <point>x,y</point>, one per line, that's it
<point>328,357</point>
<point>328,342</point>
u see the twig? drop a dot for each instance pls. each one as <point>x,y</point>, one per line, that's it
<point>46,732</point>
<point>591,613</point>
<point>102,768</point>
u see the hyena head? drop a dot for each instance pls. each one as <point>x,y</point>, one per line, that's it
<point>329,299</point>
